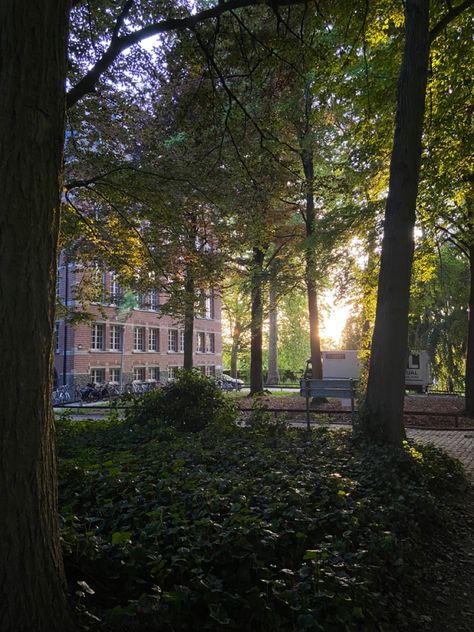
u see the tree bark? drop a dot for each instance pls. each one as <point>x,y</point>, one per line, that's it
<point>256,325</point>
<point>382,420</point>
<point>33,42</point>
<point>469,385</point>
<point>235,349</point>
<point>311,287</point>
<point>273,375</point>
<point>189,298</point>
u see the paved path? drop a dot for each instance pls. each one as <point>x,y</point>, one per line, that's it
<point>458,443</point>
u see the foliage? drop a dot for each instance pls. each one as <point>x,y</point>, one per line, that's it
<point>261,419</point>
<point>439,314</point>
<point>189,403</point>
<point>246,530</point>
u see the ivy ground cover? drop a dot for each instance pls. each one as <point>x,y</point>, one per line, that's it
<point>240,529</point>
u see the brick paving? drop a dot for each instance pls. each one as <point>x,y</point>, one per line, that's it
<point>457,443</point>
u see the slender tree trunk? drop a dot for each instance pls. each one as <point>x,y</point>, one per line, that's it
<point>470,341</point>
<point>256,326</point>
<point>383,417</point>
<point>273,375</point>
<point>235,349</point>
<point>311,287</point>
<point>189,292</point>
<point>33,40</point>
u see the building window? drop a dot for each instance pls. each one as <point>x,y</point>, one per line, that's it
<point>139,373</point>
<point>139,339</point>
<point>172,340</point>
<point>58,284</point>
<point>172,372</point>
<point>153,339</point>
<point>206,305</point>
<point>153,298</point>
<point>56,335</point>
<point>209,305</point>
<point>115,375</point>
<point>116,293</point>
<point>210,343</point>
<point>154,373</point>
<point>98,376</point>
<point>98,335</point>
<point>181,340</point>
<point>142,302</point>
<point>116,334</point>
<point>211,370</point>
<point>201,368</point>
<point>201,342</point>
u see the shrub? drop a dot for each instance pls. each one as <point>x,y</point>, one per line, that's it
<point>189,403</point>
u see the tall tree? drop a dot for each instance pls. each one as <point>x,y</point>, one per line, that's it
<point>383,417</point>
<point>33,44</point>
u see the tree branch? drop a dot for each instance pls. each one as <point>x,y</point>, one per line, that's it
<point>449,17</point>
<point>118,44</point>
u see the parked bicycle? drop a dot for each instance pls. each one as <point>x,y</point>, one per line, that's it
<point>61,396</point>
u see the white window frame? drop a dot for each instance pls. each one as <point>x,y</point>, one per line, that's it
<point>139,371</point>
<point>154,301</point>
<point>172,371</point>
<point>210,342</point>
<point>116,337</point>
<point>181,340</point>
<point>173,340</point>
<point>114,374</point>
<point>154,373</point>
<point>116,293</point>
<point>95,371</point>
<point>200,342</point>
<point>139,338</point>
<point>98,337</point>
<point>153,339</point>
<point>211,370</point>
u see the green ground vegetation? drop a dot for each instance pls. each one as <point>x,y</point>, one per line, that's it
<point>257,528</point>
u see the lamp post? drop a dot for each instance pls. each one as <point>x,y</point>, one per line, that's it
<point>124,311</point>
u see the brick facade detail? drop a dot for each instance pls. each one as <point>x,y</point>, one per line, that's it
<point>96,350</point>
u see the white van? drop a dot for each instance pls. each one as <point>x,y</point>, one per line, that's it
<point>346,364</point>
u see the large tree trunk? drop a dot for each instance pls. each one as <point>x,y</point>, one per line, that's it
<point>311,287</point>
<point>256,326</point>
<point>33,41</point>
<point>470,341</point>
<point>273,374</point>
<point>383,417</point>
<point>189,298</point>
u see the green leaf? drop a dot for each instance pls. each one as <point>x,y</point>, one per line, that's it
<point>121,536</point>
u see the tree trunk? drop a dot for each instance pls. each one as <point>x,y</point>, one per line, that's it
<point>470,341</point>
<point>33,41</point>
<point>256,325</point>
<point>273,375</point>
<point>235,349</point>
<point>311,288</point>
<point>189,298</point>
<point>383,416</point>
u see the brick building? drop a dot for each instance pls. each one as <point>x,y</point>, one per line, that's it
<point>137,344</point>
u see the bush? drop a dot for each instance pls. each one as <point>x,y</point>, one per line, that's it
<point>189,403</point>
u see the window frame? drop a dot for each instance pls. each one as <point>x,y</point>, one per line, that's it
<point>95,329</point>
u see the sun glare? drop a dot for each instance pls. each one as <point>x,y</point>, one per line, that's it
<point>334,318</point>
